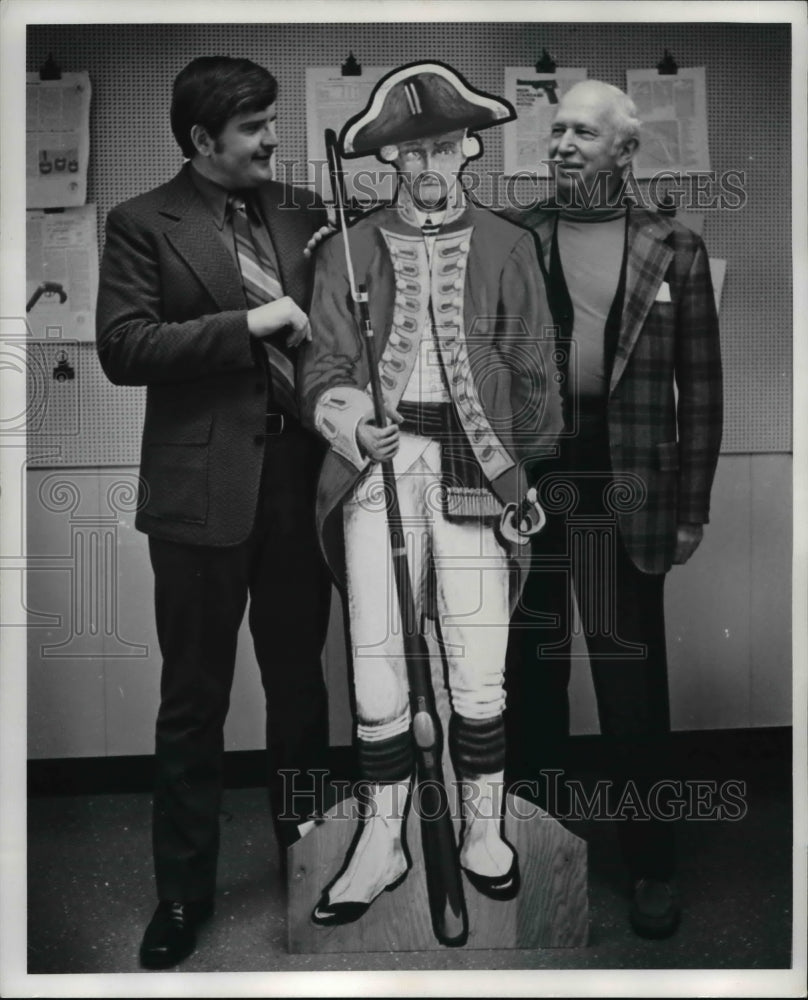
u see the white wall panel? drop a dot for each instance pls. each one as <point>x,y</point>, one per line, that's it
<point>707,611</point>
<point>728,618</point>
<point>770,582</point>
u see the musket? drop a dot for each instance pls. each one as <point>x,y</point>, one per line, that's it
<point>447,903</point>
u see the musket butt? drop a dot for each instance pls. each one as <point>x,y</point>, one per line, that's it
<point>453,930</point>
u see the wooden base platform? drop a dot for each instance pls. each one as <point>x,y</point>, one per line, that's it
<point>550,910</point>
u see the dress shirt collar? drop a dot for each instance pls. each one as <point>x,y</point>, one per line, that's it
<point>218,200</point>
<point>214,196</point>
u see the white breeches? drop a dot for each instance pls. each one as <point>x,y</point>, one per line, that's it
<point>471,570</point>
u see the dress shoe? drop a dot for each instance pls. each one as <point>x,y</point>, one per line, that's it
<point>171,934</point>
<point>331,914</point>
<point>501,887</point>
<point>655,908</point>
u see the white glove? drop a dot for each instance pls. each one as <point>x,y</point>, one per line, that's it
<point>533,520</point>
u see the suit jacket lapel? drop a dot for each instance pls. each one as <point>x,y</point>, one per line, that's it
<point>192,233</point>
<point>649,256</point>
<point>542,225</point>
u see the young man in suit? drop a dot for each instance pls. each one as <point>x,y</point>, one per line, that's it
<point>202,299</point>
<point>633,305</point>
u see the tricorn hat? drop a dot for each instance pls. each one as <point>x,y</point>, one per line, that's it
<point>419,100</point>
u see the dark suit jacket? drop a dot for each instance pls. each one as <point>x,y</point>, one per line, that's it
<point>172,316</point>
<point>665,397</point>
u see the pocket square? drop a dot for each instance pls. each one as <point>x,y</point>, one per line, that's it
<point>664,293</point>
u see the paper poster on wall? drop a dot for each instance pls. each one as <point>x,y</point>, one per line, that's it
<point>331,99</point>
<point>673,110</point>
<point>535,97</point>
<point>57,148</point>
<point>62,273</point>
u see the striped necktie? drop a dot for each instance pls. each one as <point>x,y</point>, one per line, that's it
<point>261,284</point>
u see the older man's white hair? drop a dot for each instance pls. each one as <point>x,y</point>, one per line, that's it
<point>623,110</point>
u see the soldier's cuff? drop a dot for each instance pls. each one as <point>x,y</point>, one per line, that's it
<point>337,415</point>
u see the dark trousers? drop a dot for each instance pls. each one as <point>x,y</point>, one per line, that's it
<point>622,620</point>
<point>200,596</point>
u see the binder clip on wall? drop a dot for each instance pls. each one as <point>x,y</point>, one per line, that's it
<point>667,67</point>
<point>50,70</point>
<point>351,67</point>
<point>546,64</point>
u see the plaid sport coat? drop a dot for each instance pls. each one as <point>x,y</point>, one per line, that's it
<point>665,404</point>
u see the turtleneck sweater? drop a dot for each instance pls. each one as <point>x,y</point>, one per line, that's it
<point>590,244</point>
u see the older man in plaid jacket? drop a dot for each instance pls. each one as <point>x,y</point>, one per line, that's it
<point>632,299</point>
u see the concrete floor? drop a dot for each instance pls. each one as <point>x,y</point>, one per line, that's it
<point>91,895</point>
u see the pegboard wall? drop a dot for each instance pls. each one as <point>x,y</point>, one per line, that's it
<point>132,68</point>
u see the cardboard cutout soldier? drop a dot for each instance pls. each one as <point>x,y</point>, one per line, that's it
<point>458,307</point>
